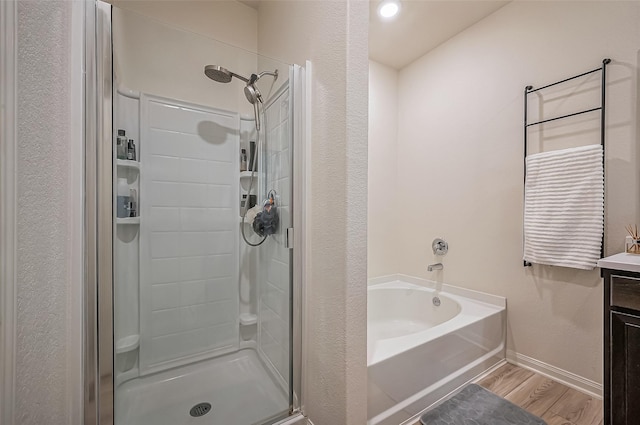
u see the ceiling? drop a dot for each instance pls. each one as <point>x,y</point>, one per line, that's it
<point>420,26</point>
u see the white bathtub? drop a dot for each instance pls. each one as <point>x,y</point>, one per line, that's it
<point>418,352</point>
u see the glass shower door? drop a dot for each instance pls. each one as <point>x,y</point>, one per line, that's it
<point>275,288</point>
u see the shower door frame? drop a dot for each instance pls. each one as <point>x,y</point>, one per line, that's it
<point>99,389</point>
<point>98,225</point>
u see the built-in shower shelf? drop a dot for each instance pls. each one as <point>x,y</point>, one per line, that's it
<point>127,344</point>
<point>125,376</point>
<point>125,163</point>
<point>248,319</point>
<point>132,94</point>
<point>245,179</point>
<point>128,220</point>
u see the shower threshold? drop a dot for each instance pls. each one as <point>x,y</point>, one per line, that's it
<point>239,388</point>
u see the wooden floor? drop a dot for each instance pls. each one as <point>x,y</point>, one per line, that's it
<point>556,403</point>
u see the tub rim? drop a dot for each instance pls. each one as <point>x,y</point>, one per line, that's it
<point>474,307</point>
<point>479,296</point>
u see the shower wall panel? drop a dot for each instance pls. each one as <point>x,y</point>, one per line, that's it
<point>274,306</point>
<point>189,233</point>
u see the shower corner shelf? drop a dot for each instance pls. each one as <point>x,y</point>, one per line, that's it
<point>248,319</point>
<point>132,94</point>
<point>128,220</point>
<point>127,344</point>
<point>245,179</point>
<point>127,163</point>
<point>125,376</point>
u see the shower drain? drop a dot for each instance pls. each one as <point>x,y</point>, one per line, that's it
<point>200,409</point>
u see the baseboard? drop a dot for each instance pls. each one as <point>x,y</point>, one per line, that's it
<point>560,375</point>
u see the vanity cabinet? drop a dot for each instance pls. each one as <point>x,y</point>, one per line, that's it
<point>621,347</point>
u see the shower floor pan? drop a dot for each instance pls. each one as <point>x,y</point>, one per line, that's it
<point>237,385</point>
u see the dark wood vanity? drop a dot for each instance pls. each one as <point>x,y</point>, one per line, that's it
<point>621,340</point>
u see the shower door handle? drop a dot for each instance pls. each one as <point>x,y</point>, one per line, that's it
<point>288,243</point>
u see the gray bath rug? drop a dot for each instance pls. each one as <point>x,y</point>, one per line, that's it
<point>476,406</point>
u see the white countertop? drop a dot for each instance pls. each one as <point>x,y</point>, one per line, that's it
<point>622,261</point>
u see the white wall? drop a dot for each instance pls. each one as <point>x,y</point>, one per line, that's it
<point>148,53</point>
<point>460,165</point>
<point>228,21</point>
<point>48,332</point>
<point>333,35</point>
<point>189,265</point>
<point>382,211</point>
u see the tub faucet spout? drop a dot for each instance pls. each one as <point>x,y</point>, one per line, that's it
<point>437,266</point>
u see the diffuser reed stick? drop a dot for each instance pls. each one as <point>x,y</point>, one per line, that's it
<point>632,243</point>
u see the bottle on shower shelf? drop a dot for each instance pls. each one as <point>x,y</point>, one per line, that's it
<point>252,166</point>
<point>243,160</point>
<point>122,198</point>
<point>133,203</point>
<point>131,150</point>
<point>121,145</point>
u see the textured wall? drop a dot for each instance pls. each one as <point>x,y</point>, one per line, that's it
<point>382,211</point>
<point>460,146</point>
<point>43,233</point>
<point>149,52</point>
<point>333,35</point>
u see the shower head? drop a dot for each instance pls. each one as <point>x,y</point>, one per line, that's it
<point>217,73</point>
<point>252,93</point>
<point>221,75</point>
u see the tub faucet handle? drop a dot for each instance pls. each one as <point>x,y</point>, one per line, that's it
<point>439,246</point>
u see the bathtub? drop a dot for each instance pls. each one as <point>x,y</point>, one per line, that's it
<point>418,352</point>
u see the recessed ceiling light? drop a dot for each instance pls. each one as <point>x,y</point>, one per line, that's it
<point>388,8</point>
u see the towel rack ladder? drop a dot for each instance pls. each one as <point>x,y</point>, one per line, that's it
<point>529,89</point>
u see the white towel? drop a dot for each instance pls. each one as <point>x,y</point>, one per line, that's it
<point>564,207</point>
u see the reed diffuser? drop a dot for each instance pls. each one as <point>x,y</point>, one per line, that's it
<point>632,242</point>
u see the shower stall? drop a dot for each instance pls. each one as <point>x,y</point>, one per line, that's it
<point>197,280</point>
